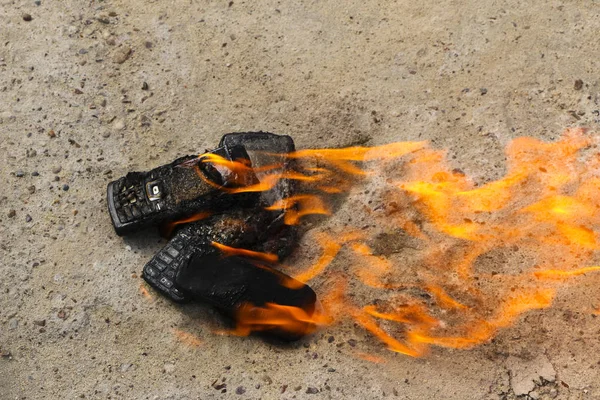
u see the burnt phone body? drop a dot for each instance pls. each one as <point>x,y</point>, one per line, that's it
<point>259,229</point>
<point>169,192</point>
<point>189,267</point>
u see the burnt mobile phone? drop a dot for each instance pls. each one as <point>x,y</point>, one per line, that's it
<point>258,229</point>
<point>184,187</point>
<point>190,268</point>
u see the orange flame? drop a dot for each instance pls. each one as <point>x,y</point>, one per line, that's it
<point>145,292</point>
<point>298,206</point>
<point>293,321</point>
<point>444,288</point>
<point>233,251</point>
<point>187,338</point>
<point>167,229</point>
<point>330,250</point>
<point>371,358</point>
<point>546,204</point>
<point>560,274</point>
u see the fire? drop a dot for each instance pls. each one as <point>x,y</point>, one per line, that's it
<point>299,206</point>
<point>145,292</point>
<point>168,228</point>
<point>371,358</point>
<point>561,274</point>
<point>187,338</point>
<point>445,294</point>
<point>228,251</point>
<point>287,320</point>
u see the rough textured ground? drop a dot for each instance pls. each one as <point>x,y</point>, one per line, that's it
<point>466,75</point>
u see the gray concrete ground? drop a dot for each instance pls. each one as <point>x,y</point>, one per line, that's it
<point>466,75</point>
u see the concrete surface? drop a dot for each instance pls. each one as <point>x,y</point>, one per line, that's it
<point>466,75</point>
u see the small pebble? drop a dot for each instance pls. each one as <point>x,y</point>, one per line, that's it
<point>65,187</point>
<point>169,368</point>
<point>145,86</point>
<point>240,390</point>
<point>312,390</point>
<point>13,323</point>
<point>578,85</point>
<point>19,174</point>
<point>31,189</point>
<point>38,2</point>
<point>119,124</point>
<point>11,214</point>
<point>106,134</point>
<point>27,17</point>
<point>483,91</point>
<point>126,367</point>
<point>39,322</point>
<point>35,173</point>
<point>28,218</point>
<point>121,54</point>
<point>51,133</point>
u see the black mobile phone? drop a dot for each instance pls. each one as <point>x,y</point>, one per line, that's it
<point>256,230</point>
<point>186,186</point>
<point>244,224</point>
<point>209,261</point>
<point>190,267</point>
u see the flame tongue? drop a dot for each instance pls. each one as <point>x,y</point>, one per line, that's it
<point>285,321</point>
